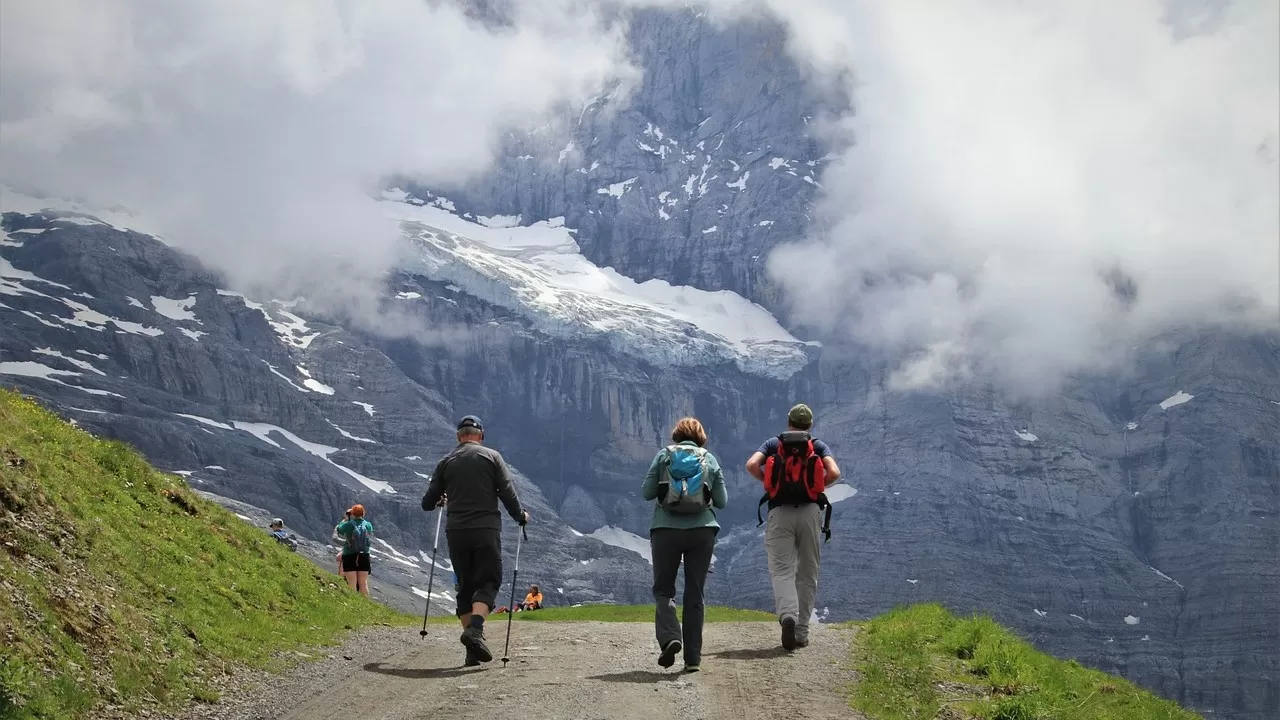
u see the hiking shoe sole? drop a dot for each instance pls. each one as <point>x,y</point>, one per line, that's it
<point>475,645</point>
<point>691,668</point>
<point>788,634</point>
<point>668,656</point>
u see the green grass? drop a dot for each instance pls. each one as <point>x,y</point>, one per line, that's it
<point>922,662</point>
<point>119,584</point>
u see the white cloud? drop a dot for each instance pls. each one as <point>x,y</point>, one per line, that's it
<point>1014,162</point>
<point>253,132</point>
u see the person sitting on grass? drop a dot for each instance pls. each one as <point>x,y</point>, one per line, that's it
<point>286,539</point>
<point>532,601</point>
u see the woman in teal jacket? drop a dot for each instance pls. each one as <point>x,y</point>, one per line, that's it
<point>684,529</point>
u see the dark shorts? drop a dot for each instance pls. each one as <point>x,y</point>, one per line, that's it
<point>356,563</point>
<point>477,560</point>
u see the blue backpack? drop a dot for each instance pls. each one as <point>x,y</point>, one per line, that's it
<point>359,540</point>
<point>683,484</point>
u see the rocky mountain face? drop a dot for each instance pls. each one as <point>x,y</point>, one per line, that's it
<point>1129,521</point>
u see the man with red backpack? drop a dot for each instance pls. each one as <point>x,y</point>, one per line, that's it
<point>795,468</point>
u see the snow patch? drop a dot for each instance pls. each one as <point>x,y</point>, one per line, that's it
<point>1078,617</point>
<point>175,309</point>
<point>575,532</point>
<point>87,410</point>
<point>193,334</point>
<point>263,431</point>
<point>1131,426</point>
<point>284,377</point>
<point>5,240</point>
<point>44,372</point>
<point>348,435</point>
<point>408,295</point>
<point>711,229</point>
<point>913,582</point>
<point>135,302</point>
<point>1039,612</point>
<point>619,538</point>
<point>314,385</point>
<point>367,407</point>
<point>740,183</point>
<point>765,223</point>
<point>1026,435</point>
<point>1175,399</point>
<point>50,352</point>
<point>214,467</point>
<point>1131,620</point>
<point>840,491</point>
<point>617,189</point>
<point>1166,577</point>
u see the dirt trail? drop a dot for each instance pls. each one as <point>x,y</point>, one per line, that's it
<point>558,671</point>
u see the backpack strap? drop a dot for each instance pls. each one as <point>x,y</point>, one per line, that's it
<point>764,500</point>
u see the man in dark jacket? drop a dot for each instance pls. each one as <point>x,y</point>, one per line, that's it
<point>470,481</point>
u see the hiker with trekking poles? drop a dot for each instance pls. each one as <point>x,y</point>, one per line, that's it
<point>688,485</point>
<point>469,482</point>
<point>795,469</point>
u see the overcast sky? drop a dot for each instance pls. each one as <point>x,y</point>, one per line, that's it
<point>1013,159</point>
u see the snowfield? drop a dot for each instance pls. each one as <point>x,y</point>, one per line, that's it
<point>539,271</point>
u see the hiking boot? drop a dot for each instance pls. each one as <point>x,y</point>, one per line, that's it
<point>692,668</point>
<point>788,634</point>
<point>471,660</point>
<point>473,638</point>
<point>668,656</point>
<point>802,643</point>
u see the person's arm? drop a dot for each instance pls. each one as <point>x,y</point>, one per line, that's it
<point>507,489</point>
<point>755,463</point>
<point>435,488</point>
<point>649,488</point>
<point>719,493</point>
<point>828,462</point>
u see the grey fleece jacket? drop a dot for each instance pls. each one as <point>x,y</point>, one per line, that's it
<point>475,478</point>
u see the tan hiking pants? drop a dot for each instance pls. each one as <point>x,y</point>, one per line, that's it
<point>793,542</point>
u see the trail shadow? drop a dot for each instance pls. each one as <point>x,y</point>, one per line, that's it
<point>636,676</point>
<point>420,673</point>
<point>751,653</point>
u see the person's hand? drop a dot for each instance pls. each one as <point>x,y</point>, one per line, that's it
<point>524,520</point>
<point>444,500</point>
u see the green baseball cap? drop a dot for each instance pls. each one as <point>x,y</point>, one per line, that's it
<point>800,416</point>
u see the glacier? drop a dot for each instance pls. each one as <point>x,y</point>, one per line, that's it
<point>539,271</point>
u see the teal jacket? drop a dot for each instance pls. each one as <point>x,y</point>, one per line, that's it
<point>684,521</point>
<point>346,529</point>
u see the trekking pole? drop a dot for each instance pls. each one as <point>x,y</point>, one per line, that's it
<point>511,604</point>
<point>431,576</point>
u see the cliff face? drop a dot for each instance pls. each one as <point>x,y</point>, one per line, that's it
<point>1129,521</point>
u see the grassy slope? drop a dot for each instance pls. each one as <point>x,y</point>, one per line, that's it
<point>923,662</point>
<point>119,584</point>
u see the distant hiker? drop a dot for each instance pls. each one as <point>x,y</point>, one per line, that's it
<point>688,485</point>
<point>357,534</point>
<point>286,539</point>
<point>533,600</point>
<point>795,469</point>
<point>475,478</point>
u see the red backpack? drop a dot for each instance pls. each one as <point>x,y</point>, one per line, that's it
<point>795,475</point>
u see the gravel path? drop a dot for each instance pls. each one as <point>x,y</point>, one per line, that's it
<point>558,671</point>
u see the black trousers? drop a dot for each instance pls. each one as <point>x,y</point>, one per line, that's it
<point>476,555</point>
<point>669,548</point>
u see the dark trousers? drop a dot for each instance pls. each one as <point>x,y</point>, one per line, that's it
<point>476,555</point>
<point>669,547</point>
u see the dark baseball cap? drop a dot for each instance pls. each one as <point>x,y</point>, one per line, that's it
<point>800,416</point>
<point>471,421</point>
